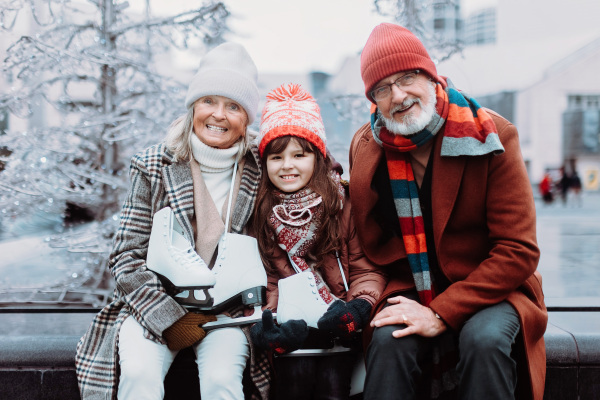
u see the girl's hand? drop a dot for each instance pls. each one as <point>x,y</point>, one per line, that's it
<point>282,339</point>
<point>343,319</point>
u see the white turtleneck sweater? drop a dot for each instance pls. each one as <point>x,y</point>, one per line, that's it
<point>217,168</point>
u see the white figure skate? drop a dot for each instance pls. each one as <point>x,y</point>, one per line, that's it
<point>172,258</point>
<point>300,299</point>
<point>241,279</point>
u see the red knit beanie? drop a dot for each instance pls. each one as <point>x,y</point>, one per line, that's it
<point>391,49</point>
<point>291,111</point>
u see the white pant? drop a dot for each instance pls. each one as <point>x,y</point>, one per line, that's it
<point>221,357</point>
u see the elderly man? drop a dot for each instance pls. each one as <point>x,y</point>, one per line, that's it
<point>443,202</point>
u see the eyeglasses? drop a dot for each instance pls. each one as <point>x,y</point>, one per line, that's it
<point>383,92</point>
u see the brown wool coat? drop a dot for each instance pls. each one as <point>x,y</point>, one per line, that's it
<point>485,238</point>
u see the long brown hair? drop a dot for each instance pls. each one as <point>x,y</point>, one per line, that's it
<point>328,235</point>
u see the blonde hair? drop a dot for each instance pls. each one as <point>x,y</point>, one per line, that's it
<point>179,135</point>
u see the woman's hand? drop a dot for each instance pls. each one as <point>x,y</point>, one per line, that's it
<point>187,331</point>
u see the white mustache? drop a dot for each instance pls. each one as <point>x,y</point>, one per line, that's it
<point>404,105</point>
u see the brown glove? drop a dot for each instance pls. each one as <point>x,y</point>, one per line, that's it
<point>186,331</point>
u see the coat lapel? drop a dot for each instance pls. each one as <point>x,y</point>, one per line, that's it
<point>179,186</point>
<point>446,179</point>
<point>366,160</point>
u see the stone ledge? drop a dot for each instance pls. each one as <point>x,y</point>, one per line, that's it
<point>49,352</point>
<point>42,366</point>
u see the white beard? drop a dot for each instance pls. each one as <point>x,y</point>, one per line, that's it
<point>411,124</point>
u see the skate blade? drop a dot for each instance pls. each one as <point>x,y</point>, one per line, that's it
<point>172,288</point>
<point>224,321</point>
<point>336,349</point>
<point>192,302</point>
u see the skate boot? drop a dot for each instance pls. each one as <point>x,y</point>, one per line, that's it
<point>172,258</point>
<point>241,279</point>
<point>300,299</point>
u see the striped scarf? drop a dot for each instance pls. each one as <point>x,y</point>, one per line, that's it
<point>469,130</point>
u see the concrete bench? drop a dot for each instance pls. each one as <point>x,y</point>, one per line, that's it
<point>37,353</point>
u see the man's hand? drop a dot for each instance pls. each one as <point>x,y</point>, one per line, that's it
<point>419,320</point>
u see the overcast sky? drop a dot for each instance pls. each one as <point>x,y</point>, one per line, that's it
<point>297,36</point>
<point>301,35</point>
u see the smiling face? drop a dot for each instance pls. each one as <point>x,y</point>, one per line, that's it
<point>219,121</point>
<point>291,169</point>
<point>408,109</point>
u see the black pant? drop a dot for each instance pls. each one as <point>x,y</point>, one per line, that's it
<point>485,369</point>
<point>314,377</point>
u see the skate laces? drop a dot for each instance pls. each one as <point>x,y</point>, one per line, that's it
<point>191,258</point>
<point>188,257</point>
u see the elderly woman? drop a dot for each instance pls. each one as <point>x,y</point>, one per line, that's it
<point>132,342</point>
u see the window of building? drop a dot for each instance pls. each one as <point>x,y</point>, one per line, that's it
<point>583,102</point>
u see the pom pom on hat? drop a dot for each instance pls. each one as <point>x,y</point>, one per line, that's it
<point>228,71</point>
<point>391,49</point>
<point>291,111</point>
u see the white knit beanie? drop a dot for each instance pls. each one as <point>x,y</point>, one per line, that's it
<point>228,71</point>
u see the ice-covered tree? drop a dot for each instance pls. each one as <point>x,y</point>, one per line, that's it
<point>94,80</point>
<point>417,16</point>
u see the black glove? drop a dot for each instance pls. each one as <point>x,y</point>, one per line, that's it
<point>343,319</point>
<point>282,339</point>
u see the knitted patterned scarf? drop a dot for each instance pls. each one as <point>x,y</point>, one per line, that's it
<point>469,131</point>
<point>295,222</point>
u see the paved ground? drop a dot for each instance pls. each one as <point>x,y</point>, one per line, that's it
<point>569,239</point>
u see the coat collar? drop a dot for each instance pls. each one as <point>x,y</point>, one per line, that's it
<point>179,186</point>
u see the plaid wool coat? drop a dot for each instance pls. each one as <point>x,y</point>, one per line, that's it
<point>157,181</point>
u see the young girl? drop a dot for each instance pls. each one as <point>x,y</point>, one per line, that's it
<point>303,223</point>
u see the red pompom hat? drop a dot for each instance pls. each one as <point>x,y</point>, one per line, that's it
<point>291,111</point>
<point>391,49</point>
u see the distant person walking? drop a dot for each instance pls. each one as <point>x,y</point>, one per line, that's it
<point>575,185</point>
<point>563,185</point>
<point>546,189</point>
